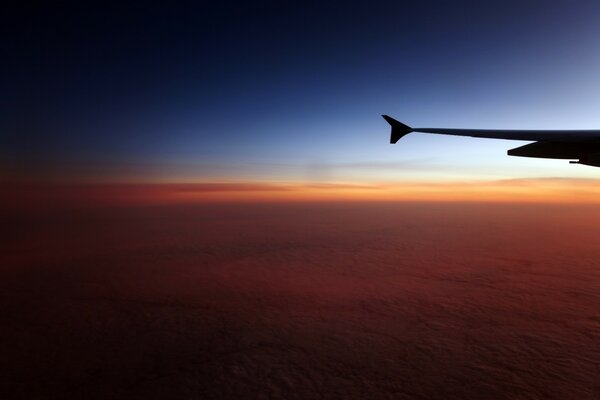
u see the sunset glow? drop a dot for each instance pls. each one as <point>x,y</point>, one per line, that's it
<point>566,191</point>
<point>200,200</point>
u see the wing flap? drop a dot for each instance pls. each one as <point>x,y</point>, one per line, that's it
<point>561,150</point>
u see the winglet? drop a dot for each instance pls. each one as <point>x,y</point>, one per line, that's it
<point>398,129</point>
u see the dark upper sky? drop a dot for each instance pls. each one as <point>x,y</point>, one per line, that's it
<point>271,90</point>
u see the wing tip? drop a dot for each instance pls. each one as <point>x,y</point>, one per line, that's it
<point>398,129</point>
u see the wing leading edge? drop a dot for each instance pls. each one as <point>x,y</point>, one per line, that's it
<point>580,145</point>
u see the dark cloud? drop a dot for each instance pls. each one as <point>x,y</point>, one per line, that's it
<point>429,300</point>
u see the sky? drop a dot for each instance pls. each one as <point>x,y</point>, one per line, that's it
<point>280,92</point>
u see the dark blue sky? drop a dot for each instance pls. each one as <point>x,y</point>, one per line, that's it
<point>273,91</point>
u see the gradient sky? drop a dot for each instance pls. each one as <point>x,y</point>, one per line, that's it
<point>278,92</point>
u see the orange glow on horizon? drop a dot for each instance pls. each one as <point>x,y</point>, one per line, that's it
<point>518,191</point>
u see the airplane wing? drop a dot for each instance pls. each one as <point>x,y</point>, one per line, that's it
<point>580,145</point>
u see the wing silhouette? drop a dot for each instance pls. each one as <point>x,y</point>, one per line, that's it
<point>580,145</point>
